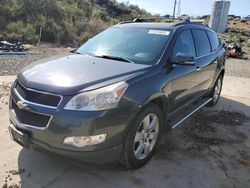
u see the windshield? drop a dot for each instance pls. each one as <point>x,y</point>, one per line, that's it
<point>138,45</point>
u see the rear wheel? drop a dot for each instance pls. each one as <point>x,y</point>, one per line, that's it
<point>143,137</point>
<point>216,91</point>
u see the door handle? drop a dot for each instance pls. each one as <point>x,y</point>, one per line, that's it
<point>198,69</point>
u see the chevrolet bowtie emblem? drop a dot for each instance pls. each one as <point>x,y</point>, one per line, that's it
<point>22,105</point>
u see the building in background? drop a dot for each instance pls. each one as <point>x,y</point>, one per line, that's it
<point>219,14</point>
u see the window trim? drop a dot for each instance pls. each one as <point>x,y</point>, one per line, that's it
<point>192,30</point>
<point>176,38</point>
<point>211,42</point>
<point>211,48</point>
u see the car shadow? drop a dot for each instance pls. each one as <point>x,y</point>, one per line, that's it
<point>47,170</point>
<point>44,169</point>
<point>231,105</point>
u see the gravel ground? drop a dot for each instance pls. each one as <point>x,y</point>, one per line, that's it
<point>11,65</point>
<point>238,68</point>
<point>4,93</point>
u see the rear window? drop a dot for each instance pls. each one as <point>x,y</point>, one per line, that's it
<point>201,42</point>
<point>213,40</point>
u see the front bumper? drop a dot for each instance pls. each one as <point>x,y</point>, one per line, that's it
<point>64,123</point>
<point>97,157</point>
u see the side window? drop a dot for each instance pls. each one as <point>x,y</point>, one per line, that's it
<point>201,42</point>
<point>184,44</point>
<point>213,40</point>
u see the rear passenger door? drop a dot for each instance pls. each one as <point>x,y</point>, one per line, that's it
<point>217,54</point>
<point>205,60</point>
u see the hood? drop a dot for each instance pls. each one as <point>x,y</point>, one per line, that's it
<point>68,74</point>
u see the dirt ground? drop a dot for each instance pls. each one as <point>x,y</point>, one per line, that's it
<point>211,149</point>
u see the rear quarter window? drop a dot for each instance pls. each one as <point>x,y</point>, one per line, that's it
<point>213,40</point>
<point>201,42</point>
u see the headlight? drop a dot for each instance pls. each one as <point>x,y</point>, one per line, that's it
<point>99,99</point>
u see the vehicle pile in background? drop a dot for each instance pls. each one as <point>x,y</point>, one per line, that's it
<point>7,48</point>
<point>234,50</point>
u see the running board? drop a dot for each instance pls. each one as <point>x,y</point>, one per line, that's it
<point>188,112</point>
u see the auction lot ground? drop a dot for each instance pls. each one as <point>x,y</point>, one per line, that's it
<point>211,149</point>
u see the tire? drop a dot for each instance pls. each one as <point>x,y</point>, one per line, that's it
<point>216,91</point>
<point>143,137</point>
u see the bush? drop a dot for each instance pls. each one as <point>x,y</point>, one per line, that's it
<point>64,21</point>
<point>28,29</point>
<point>15,27</point>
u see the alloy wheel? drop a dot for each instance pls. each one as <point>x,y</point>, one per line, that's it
<point>217,90</point>
<point>146,136</point>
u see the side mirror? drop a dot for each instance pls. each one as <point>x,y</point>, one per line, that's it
<point>184,59</point>
<point>223,44</point>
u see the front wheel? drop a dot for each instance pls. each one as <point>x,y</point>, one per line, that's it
<point>216,91</point>
<point>143,137</point>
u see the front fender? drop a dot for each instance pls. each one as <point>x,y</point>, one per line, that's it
<point>148,90</point>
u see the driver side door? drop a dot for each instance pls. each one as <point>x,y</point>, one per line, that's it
<point>184,80</point>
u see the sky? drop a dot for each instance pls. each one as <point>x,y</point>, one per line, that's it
<point>190,7</point>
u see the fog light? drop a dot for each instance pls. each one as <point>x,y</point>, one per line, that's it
<point>82,141</point>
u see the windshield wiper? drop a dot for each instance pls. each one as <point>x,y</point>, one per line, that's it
<point>76,52</point>
<point>114,58</point>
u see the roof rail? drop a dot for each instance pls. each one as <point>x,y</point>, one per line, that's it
<point>125,22</point>
<point>150,19</point>
<point>188,21</point>
<point>185,20</point>
<point>143,19</point>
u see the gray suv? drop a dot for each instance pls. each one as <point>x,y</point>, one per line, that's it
<point>113,97</point>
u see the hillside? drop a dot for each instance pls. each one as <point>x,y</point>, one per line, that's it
<point>61,21</point>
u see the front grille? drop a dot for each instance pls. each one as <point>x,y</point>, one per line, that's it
<point>30,118</point>
<point>37,97</point>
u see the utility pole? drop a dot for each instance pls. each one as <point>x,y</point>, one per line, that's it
<point>179,8</point>
<point>174,10</point>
